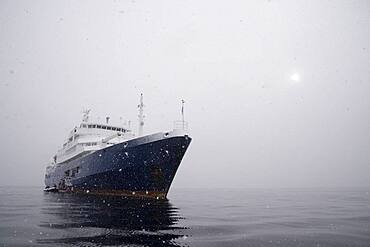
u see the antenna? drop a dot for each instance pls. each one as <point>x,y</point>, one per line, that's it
<point>141,115</point>
<point>85,117</point>
<point>182,114</point>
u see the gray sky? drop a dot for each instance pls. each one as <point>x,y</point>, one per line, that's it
<point>232,62</point>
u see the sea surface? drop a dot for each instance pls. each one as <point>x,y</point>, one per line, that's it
<point>190,217</point>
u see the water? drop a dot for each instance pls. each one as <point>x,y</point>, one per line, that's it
<point>30,217</point>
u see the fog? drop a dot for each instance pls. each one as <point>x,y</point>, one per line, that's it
<point>277,92</point>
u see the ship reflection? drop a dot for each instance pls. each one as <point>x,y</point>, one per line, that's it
<point>111,221</point>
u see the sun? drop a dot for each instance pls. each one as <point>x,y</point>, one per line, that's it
<point>295,77</point>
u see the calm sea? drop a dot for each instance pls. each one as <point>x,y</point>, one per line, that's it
<point>281,217</point>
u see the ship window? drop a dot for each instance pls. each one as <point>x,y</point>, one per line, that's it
<point>114,128</point>
<point>109,128</point>
<point>94,126</point>
<point>75,171</point>
<point>104,127</point>
<point>89,126</point>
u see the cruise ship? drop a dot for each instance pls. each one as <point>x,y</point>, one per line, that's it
<point>100,158</point>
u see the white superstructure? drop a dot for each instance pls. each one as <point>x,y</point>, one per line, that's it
<point>89,137</point>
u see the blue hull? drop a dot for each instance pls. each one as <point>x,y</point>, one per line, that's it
<point>138,167</point>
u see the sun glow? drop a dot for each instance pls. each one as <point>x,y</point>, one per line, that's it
<point>295,77</point>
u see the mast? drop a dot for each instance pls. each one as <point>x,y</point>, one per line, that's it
<point>141,115</point>
<point>182,114</point>
<point>85,117</point>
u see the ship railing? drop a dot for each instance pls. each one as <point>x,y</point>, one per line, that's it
<point>180,125</point>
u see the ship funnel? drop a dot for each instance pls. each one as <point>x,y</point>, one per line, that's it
<point>141,115</point>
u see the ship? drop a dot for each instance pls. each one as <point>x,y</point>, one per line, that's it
<point>102,158</point>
